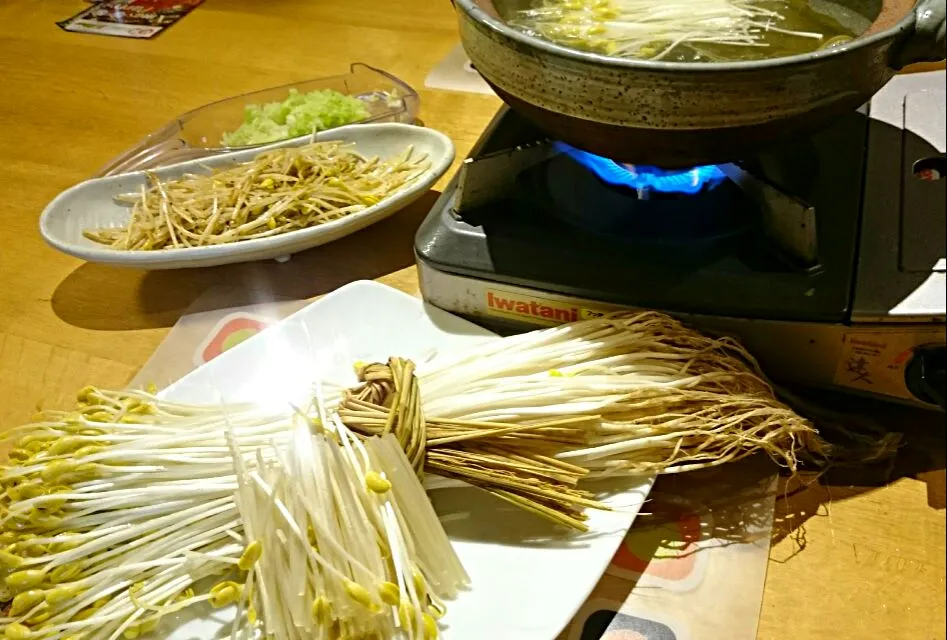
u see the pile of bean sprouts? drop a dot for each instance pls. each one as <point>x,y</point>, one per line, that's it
<point>279,191</point>
<point>130,508</point>
<point>345,542</point>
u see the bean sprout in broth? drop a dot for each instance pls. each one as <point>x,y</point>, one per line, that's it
<point>688,30</point>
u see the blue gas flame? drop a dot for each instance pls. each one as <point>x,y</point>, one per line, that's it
<point>685,181</point>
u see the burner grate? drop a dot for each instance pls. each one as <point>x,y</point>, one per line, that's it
<point>787,221</point>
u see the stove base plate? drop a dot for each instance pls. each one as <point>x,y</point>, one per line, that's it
<point>863,358</point>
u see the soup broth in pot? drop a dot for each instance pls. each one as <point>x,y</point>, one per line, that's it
<point>692,30</point>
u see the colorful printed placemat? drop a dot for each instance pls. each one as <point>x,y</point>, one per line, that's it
<point>693,565</point>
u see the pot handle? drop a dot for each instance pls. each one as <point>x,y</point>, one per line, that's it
<point>923,40</point>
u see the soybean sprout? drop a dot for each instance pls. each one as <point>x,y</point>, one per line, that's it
<point>279,191</point>
<point>679,29</point>
<point>344,541</point>
<point>630,393</point>
<point>130,508</point>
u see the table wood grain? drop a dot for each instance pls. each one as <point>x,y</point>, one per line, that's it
<point>873,564</point>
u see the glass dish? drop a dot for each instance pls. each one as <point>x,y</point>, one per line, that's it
<point>197,133</point>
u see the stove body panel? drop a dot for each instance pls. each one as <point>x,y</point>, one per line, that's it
<point>857,316</point>
<point>901,264</point>
<point>870,359</point>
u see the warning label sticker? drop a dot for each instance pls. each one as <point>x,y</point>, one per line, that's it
<point>875,361</point>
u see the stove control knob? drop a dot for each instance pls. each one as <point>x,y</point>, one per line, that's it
<point>926,375</point>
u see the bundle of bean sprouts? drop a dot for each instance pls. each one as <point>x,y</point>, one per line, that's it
<point>631,393</point>
<point>655,30</point>
<point>513,459</point>
<point>279,191</point>
<point>125,511</point>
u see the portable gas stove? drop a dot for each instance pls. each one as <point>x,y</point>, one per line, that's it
<point>826,257</point>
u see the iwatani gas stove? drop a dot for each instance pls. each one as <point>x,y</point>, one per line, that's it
<point>826,257</point>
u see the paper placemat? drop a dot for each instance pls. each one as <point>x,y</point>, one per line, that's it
<point>691,569</point>
<point>456,73</point>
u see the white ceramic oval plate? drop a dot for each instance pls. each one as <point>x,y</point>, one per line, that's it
<point>528,578</point>
<point>91,204</point>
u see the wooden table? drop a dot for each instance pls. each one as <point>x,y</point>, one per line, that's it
<point>874,563</point>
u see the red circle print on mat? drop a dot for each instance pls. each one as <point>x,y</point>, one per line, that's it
<point>232,333</point>
<point>666,551</point>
